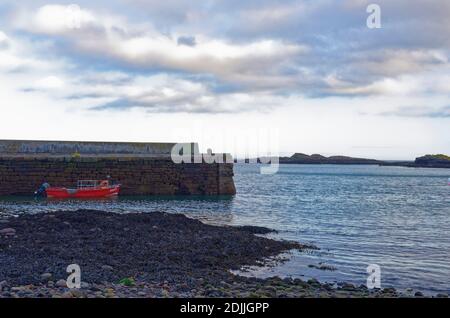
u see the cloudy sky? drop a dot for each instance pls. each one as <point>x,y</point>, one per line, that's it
<point>291,76</point>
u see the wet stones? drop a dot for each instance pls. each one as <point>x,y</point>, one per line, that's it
<point>107,267</point>
<point>46,276</point>
<point>8,231</point>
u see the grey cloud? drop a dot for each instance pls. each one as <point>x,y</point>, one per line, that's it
<point>187,40</point>
<point>416,111</point>
<point>191,104</point>
<point>335,53</point>
<point>4,44</point>
<point>340,42</point>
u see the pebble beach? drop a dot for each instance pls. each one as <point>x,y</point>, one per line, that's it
<point>148,255</point>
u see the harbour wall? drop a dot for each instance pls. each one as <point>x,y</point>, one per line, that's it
<point>58,148</point>
<point>140,168</point>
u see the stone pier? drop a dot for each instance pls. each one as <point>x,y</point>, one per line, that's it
<point>141,168</point>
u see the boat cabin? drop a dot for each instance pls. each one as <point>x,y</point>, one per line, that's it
<point>86,184</point>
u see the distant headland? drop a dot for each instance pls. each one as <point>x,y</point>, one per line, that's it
<point>427,161</point>
<point>301,158</point>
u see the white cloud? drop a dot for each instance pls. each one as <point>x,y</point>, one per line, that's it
<point>19,56</point>
<point>143,47</point>
<point>54,19</point>
<point>50,82</point>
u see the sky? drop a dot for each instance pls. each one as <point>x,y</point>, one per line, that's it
<point>245,77</point>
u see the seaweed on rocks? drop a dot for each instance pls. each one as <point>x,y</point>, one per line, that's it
<point>109,246</point>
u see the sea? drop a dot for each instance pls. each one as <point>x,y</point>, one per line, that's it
<point>394,219</point>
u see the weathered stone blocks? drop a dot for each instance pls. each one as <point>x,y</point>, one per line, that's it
<point>138,175</point>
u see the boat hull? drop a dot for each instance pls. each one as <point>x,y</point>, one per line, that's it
<point>64,193</point>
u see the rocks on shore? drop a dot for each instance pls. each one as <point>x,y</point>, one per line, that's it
<point>323,267</point>
<point>46,276</point>
<point>146,255</point>
<point>232,286</point>
<point>145,246</point>
<point>107,268</point>
<point>8,231</point>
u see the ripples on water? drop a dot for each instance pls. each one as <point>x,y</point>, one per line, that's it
<point>395,217</point>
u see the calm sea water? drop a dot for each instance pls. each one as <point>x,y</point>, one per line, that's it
<point>398,218</point>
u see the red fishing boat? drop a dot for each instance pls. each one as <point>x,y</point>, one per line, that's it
<point>84,189</point>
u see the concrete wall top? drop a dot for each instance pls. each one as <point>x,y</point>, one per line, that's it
<point>34,147</point>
